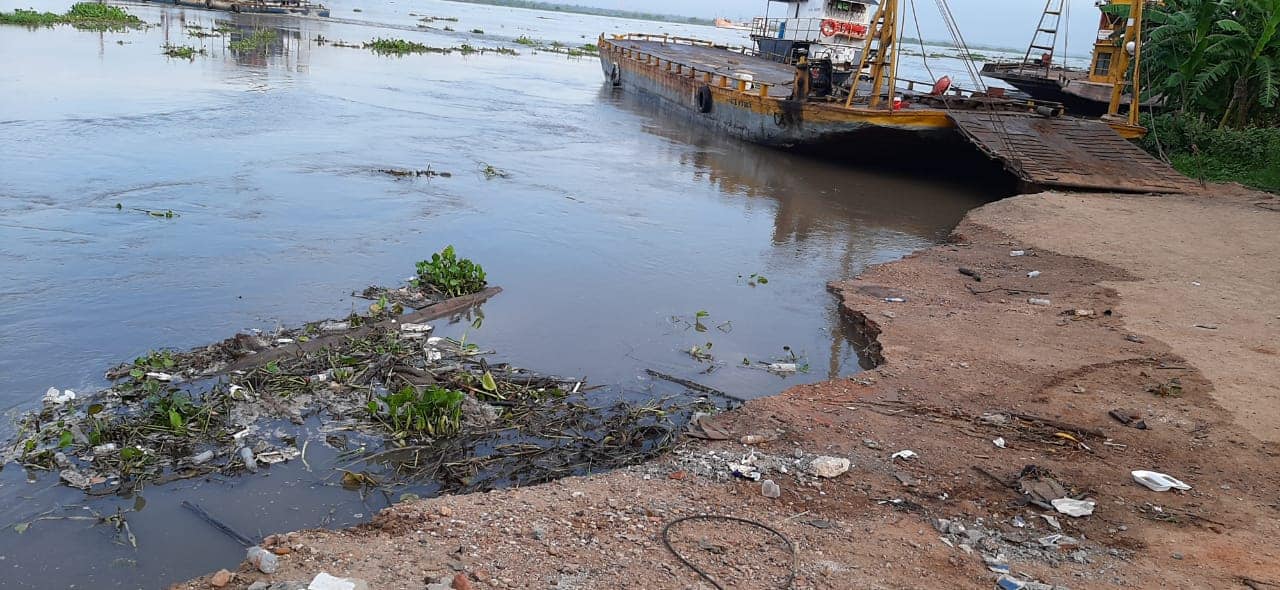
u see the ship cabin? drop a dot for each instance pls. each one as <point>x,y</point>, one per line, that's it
<point>834,30</point>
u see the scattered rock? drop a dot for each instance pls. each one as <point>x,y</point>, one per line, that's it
<point>829,467</point>
<point>460,582</point>
<point>220,579</point>
<point>769,489</point>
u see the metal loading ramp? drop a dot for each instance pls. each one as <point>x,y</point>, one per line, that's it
<point>1065,152</point>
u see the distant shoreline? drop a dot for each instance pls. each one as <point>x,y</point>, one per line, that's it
<point>575,9</point>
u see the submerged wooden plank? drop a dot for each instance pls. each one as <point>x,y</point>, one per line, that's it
<point>1065,152</point>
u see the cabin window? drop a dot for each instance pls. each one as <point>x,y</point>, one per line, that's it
<point>846,10</point>
<point>1102,66</point>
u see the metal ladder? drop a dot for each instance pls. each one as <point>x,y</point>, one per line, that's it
<point>1046,36</point>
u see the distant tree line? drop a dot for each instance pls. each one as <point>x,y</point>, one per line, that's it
<point>575,9</point>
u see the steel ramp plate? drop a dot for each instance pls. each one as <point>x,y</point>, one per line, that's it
<point>1066,152</point>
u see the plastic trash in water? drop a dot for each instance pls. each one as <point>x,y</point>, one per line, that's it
<point>1017,252</point>
<point>769,489</point>
<point>250,461</point>
<point>1158,482</point>
<point>783,367</point>
<point>1038,301</point>
<point>1076,508</point>
<point>57,398</point>
<point>262,559</point>
<point>204,457</point>
<point>158,376</point>
<point>895,300</point>
<point>999,443</point>
<point>905,455</point>
<point>1033,274</point>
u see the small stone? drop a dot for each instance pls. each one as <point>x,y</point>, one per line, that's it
<point>282,550</point>
<point>870,444</point>
<point>445,511</point>
<point>259,585</point>
<point>460,582</point>
<point>481,575</point>
<point>220,579</point>
<point>1176,556</point>
<point>769,489</point>
<point>539,533</point>
<point>829,467</point>
<point>677,475</point>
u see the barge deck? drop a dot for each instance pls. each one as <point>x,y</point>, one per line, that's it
<point>751,97</point>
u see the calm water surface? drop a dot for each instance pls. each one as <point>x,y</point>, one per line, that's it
<point>615,218</point>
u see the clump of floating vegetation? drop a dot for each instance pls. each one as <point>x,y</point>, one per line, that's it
<point>403,47</point>
<point>558,47</point>
<point>255,41</point>
<point>400,47</point>
<point>82,15</point>
<point>405,405</point>
<point>183,51</point>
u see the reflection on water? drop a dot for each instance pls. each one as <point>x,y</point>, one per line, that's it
<point>616,219</point>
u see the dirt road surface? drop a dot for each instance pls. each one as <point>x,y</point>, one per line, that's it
<point>1162,308</point>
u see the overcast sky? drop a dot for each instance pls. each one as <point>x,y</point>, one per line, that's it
<point>983,22</point>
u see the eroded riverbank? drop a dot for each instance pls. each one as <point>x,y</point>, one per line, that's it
<point>980,384</point>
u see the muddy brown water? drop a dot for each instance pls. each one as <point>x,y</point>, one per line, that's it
<point>616,218</point>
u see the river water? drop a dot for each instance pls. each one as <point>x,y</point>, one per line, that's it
<point>614,219</point>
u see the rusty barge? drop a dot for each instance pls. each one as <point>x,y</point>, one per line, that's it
<point>791,102</point>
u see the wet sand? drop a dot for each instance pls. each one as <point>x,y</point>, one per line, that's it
<point>964,363</point>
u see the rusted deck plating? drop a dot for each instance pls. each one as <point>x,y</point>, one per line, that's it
<point>1068,152</point>
<point>1056,152</point>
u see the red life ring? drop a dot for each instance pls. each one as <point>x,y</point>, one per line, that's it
<point>828,27</point>
<point>941,86</point>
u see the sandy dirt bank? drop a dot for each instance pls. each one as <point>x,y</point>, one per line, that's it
<point>1164,309</point>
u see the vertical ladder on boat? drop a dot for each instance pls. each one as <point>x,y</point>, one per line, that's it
<point>882,41</point>
<point>1046,36</point>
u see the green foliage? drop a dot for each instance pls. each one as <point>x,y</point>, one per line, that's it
<point>182,52</point>
<point>523,40</point>
<point>395,46</point>
<point>477,31</point>
<point>256,41</point>
<point>432,411</point>
<point>1198,149</point>
<point>30,18</point>
<point>445,273</point>
<point>83,15</point>
<point>1217,58</point>
<point>173,412</point>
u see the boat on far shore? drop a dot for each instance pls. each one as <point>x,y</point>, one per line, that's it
<point>298,7</point>
<point>724,23</point>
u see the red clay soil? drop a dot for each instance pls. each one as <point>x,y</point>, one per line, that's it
<point>1142,271</point>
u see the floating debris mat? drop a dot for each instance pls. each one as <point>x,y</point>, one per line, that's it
<point>398,404</point>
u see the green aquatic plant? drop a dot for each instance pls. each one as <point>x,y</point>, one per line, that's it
<point>257,40</point>
<point>448,274</point>
<point>183,51</point>
<point>523,40</point>
<point>82,15</point>
<point>401,47</point>
<point>477,31</point>
<point>432,411</point>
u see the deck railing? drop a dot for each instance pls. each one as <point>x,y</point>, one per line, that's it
<point>754,87</point>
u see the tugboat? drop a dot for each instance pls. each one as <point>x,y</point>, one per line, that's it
<point>1090,92</point>
<point>781,94</point>
<point>829,33</point>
